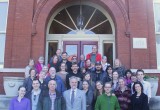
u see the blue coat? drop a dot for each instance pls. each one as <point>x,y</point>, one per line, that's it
<point>60,85</point>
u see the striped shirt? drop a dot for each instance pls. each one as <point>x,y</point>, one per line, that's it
<point>52,97</point>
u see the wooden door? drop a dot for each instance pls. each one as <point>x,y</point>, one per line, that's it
<point>78,47</point>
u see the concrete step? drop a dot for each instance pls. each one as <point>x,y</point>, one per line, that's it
<point>4,102</point>
<point>154,103</point>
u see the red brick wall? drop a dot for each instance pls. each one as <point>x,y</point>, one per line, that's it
<point>142,25</point>
<point>19,28</point>
<point>24,20</point>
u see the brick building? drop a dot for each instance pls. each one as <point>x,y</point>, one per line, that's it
<point>123,29</point>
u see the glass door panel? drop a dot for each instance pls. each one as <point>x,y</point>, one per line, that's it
<point>72,48</point>
<point>108,51</point>
<point>52,47</point>
<point>87,49</point>
<point>86,46</point>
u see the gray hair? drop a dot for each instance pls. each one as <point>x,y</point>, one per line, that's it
<point>41,58</point>
<point>104,57</point>
<point>73,77</point>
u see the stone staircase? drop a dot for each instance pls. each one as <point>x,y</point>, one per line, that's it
<point>5,100</point>
<point>154,103</point>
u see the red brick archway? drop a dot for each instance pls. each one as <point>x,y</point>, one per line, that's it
<point>116,9</point>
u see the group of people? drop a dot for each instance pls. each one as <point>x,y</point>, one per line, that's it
<point>88,84</point>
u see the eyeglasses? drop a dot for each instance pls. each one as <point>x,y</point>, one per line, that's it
<point>34,97</point>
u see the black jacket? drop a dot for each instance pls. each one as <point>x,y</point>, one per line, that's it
<point>28,84</point>
<point>89,99</point>
<point>68,64</point>
<point>140,103</point>
<point>98,76</point>
<point>45,103</point>
<point>79,75</point>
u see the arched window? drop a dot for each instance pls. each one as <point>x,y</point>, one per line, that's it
<point>80,19</point>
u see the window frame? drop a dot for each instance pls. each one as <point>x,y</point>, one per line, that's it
<point>157,34</point>
<point>4,32</point>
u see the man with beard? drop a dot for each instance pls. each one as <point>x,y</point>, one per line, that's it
<point>74,73</point>
<point>98,74</point>
<point>65,60</point>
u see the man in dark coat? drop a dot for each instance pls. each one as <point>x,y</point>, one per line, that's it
<point>52,99</point>
<point>35,95</point>
<point>98,74</point>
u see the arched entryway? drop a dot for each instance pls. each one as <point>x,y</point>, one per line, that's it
<point>115,9</point>
<point>76,26</point>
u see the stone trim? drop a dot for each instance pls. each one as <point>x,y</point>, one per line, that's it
<point>36,15</point>
<point>148,70</point>
<point>22,70</point>
<point>12,70</point>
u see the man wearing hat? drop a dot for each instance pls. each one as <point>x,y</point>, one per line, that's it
<point>98,74</point>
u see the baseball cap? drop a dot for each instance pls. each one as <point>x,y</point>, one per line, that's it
<point>98,63</point>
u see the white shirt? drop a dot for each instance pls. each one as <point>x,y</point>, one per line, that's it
<point>132,88</point>
<point>104,66</point>
<point>146,88</point>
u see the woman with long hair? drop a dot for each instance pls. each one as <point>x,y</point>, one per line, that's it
<point>54,63</point>
<point>89,95</point>
<point>20,102</point>
<point>99,89</point>
<point>87,77</point>
<point>39,65</point>
<point>139,101</point>
<point>119,67</point>
<point>63,72</point>
<point>123,94</point>
<point>128,74</point>
<point>28,67</point>
<point>28,81</point>
<point>115,77</point>
<point>108,76</point>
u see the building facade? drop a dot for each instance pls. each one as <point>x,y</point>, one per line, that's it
<point>123,29</point>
